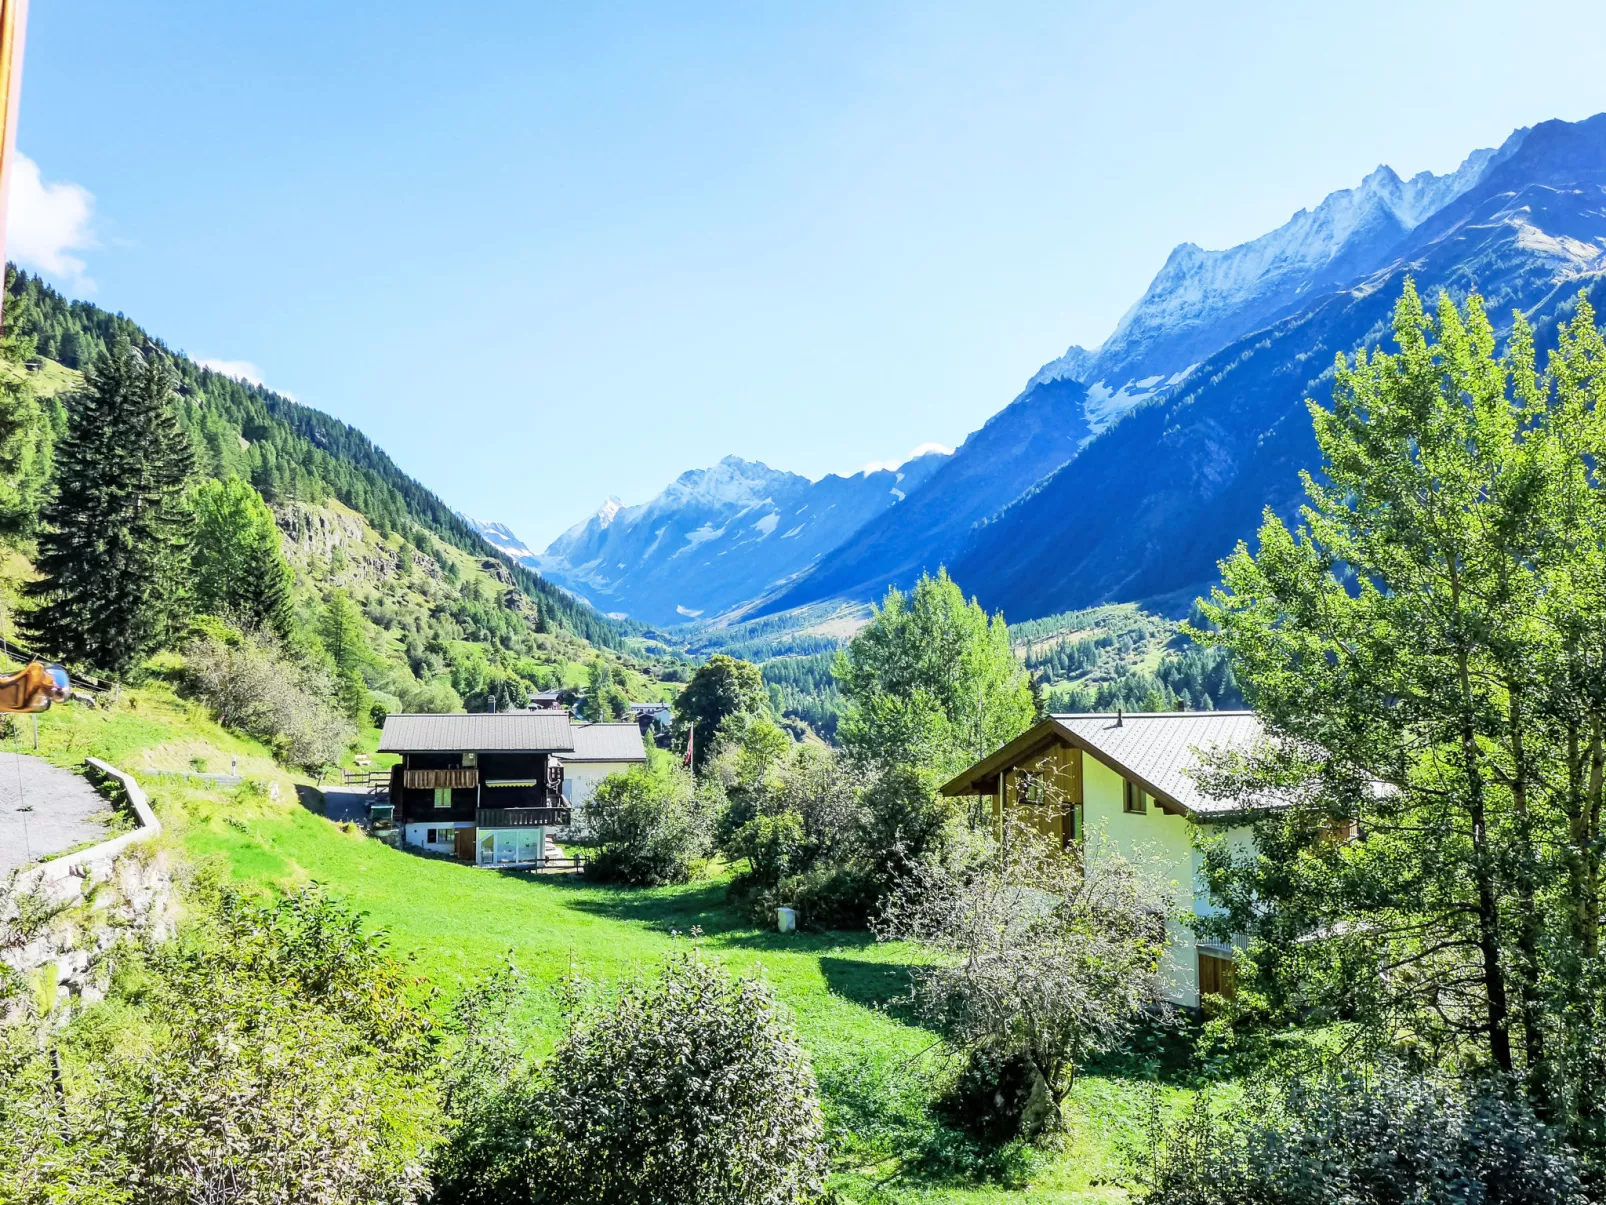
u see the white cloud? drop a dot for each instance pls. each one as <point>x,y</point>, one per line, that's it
<point>876,466</point>
<point>47,222</point>
<point>243,370</point>
<point>240,370</point>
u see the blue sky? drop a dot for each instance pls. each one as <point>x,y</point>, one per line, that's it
<point>548,253</point>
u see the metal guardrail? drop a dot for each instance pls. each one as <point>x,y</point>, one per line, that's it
<point>194,776</point>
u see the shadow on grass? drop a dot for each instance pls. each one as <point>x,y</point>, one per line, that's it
<point>879,985</point>
<point>310,798</point>
<point>1158,1052</point>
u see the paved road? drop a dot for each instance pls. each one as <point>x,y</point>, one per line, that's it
<point>44,810</point>
<point>341,805</point>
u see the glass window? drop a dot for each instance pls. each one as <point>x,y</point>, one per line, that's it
<point>443,797</point>
<point>1136,800</point>
<point>487,848</point>
<point>531,843</point>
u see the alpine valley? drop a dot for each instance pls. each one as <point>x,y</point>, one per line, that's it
<point>1123,473</point>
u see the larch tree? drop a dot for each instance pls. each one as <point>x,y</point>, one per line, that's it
<point>239,566</point>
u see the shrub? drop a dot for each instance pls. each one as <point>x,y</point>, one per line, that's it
<point>690,1088</point>
<point>1376,1139</point>
<point>649,825</point>
<point>772,846</point>
<point>270,1053</point>
<point>252,686</point>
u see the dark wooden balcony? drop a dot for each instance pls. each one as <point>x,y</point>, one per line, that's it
<point>549,817</point>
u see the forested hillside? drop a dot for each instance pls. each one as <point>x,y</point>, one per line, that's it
<point>289,452</point>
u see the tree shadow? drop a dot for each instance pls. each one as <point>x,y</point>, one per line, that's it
<point>1162,1050</point>
<point>706,906</point>
<point>310,798</point>
<point>886,987</point>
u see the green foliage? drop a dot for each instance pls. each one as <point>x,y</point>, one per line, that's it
<point>689,1087</point>
<point>272,1053</point>
<point>115,533</point>
<point>1368,1140</point>
<point>721,688</point>
<point>649,824</point>
<point>252,686</point>
<point>931,683</point>
<point>1426,653</point>
<point>604,700</point>
<point>26,434</point>
<point>773,846</point>
<point>239,568</point>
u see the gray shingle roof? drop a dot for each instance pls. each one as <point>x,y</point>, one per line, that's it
<point>1161,747</point>
<point>607,742</point>
<point>498,732</point>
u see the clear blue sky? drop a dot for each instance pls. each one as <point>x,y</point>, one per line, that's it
<point>548,253</point>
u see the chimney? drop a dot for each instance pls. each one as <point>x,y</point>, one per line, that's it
<point>1120,717</point>
<point>492,702</point>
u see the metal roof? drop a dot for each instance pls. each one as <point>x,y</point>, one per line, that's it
<point>1162,748</point>
<point>607,742</point>
<point>1158,749</point>
<point>487,732</point>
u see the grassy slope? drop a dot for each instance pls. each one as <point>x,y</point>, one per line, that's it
<point>458,921</point>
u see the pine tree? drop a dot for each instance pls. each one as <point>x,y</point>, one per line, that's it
<point>113,537</point>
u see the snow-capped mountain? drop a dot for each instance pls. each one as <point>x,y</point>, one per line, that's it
<point>1202,300</point>
<point>499,537</point>
<point>1043,526</point>
<point>1147,509</point>
<point>719,537</point>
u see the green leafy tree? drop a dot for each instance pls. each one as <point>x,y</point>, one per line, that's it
<point>721,688</point>
<point>931,682</point>
<point>1426,652</point>
<point>239,565</point>
<point>604,700</point>
<point>26,436</point>
<point>650,825</point>
<point>113,543</point>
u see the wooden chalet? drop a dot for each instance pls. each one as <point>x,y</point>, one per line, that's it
<point>488,788</point>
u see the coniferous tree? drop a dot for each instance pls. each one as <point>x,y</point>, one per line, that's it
<point>114,536</point>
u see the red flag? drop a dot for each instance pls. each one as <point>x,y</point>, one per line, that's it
<point>691,735</point>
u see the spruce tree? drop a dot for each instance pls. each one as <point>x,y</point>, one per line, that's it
<point>114,535</point>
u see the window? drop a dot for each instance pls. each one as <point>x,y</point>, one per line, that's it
<point>443,797</point>
<point>1136,799</point>
<point>471,759</point>
<point>429,836</point>
<point>1032,788</point>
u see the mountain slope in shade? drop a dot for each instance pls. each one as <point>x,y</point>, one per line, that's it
<point>1146,510</point>
<point>719,537</point>
<point>1031,437</point>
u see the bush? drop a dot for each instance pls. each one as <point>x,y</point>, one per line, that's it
<point>649,825</point>
<point>1377,1139</point>
<point>270,1053</point>
<point>689,1088</point>
<point>772,846</point>
<point>252,686</point>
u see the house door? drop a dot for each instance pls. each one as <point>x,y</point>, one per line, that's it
<point>464,848</point>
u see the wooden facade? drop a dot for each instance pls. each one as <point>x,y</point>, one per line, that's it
<point>512,789</point>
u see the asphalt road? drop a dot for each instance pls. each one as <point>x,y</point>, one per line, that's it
<point>44,810</point>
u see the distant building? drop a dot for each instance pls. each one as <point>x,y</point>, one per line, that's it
<point>652,715</point>
<point>487,788</point>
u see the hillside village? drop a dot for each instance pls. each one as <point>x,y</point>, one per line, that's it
<point>1002,825</point>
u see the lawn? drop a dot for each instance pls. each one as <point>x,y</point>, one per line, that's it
<point>878,1069</point>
